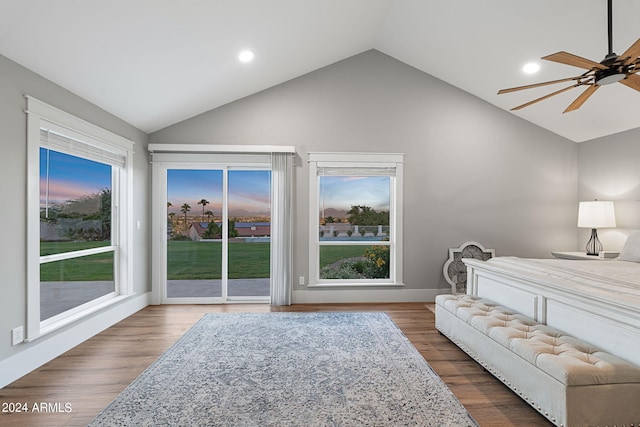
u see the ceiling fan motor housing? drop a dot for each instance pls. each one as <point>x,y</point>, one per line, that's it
<point>612,74</point>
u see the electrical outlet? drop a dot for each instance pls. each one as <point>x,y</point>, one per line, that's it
<point>301,280</point>
<point>17,335</point>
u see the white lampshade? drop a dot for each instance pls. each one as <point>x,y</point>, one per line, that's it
<point>596,214</point>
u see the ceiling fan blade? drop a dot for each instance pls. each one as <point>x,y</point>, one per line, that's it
<point>633,52</point>
<point>632,80</point>
<point>513,89</point>
<point>544,97</point>
<point>576,61</point>
<point>581,98</point>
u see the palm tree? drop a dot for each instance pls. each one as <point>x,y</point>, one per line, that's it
<point>203,202</point>
<point>184,209</point>
<point>209,214</point>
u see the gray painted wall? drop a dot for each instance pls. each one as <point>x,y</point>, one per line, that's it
<point>473,171</point>
<point>15,82</point>
<point>610,170</point>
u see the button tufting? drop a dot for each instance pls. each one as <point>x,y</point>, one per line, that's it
<point>521,335</point>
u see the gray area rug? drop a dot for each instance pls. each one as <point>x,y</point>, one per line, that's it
<point>288,369</point>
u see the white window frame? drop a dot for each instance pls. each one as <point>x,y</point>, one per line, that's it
<point>349,161</point>
<point>44,116</point>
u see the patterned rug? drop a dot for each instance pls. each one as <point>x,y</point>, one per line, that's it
<point>288,369</point>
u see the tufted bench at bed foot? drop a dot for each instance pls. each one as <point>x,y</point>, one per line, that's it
<point>570,382</point>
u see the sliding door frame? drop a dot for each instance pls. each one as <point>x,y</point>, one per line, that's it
<point>162,162</point>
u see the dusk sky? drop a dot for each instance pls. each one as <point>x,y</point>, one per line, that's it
<point>249,191</point>
<point>71,177</point>
<point>342,192</point>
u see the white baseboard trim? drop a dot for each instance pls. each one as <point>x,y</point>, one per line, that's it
<point>334,295</point>
<point>43,350</point>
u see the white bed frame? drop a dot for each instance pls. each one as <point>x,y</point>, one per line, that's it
<point>611,323</point>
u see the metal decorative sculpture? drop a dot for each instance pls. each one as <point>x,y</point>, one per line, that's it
<point>455,271</point>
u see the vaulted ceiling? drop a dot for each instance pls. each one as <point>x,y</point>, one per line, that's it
<point>157,62</point>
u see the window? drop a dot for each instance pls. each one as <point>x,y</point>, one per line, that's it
<point>79,193</point>
<point>355,210</point>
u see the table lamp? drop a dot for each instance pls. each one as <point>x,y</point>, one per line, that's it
<point>596,214</point>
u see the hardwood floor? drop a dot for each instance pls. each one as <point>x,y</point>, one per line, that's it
<point>81,382</point>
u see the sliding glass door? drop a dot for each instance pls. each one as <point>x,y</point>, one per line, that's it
<point>194,243</point>
<point>218,232</point>
<point>249,243</point>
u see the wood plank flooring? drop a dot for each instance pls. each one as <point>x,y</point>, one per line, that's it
<point>87,378</point>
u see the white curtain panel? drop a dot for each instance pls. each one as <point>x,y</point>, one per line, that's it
<point>281,228</point>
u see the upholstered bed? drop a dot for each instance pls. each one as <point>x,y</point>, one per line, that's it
<point>562,334</point>
<point>596,301</point>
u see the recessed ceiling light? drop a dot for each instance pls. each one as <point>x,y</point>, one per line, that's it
<point>531,68</point>
<point>245,56</point>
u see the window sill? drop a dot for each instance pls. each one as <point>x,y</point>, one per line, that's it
<point>355,285</point>
<point>72,318</point>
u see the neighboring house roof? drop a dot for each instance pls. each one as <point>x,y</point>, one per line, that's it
<point>200,227</point>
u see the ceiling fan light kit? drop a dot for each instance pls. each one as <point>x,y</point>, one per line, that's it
<point>612,69</point>
<point>612,75</point>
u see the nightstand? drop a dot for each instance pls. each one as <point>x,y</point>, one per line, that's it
<point>584,256</point>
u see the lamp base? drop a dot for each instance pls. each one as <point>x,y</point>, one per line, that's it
<point>593,245</point>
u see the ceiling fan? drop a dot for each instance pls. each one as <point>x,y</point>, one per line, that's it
<point>611,69</point>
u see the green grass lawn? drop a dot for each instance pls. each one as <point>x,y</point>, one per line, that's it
<point>91,267</point>
<point>203,260</point>
<point>330,254</point>
<point>185,260</point>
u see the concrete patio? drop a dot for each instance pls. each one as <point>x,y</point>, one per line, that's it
<point>58,297</point>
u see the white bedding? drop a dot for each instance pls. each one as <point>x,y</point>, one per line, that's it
<point>599,277</point>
